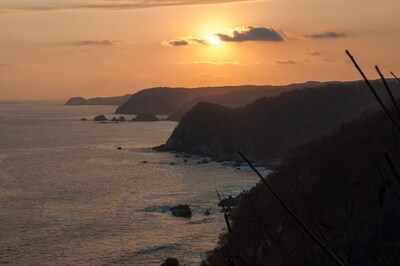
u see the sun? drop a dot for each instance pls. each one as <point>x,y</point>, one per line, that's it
<point>212,39</point>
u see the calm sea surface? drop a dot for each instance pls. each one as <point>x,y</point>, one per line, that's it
<point>68,196</point>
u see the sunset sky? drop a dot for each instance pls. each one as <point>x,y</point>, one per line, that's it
<point>59,49</point>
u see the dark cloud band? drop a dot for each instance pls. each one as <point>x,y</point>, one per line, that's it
<point>112,5</point>
<point>326,35</point>
<point>250,33</point>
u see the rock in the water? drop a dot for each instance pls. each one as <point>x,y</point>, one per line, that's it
<point>83,119</point>
<point>207,212</point>
<point>181,211</point>
<point>204,161</point>
<point>100,118</point>
<point>230,201</point>
<point>170,262</point>
<point>121,119</point>
<point>145,162</point>
<point>114,119</point>
<point>119,148</point>
<point>145,118</point>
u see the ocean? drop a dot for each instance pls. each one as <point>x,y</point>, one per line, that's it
<point>69,196</point>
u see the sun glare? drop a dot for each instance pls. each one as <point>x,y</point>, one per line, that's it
<point>212,39</point>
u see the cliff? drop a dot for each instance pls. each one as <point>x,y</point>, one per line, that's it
<point>269,127</point>
<point>117,100</point>
<point>341,186</point>
<point>177,101</point>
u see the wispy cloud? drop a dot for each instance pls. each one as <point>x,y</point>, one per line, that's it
<point>250,33</point>
<point>10,6</point>
<point>233,63</point>
<point>313,52</point>
<point>291,62</point>
<point>326,35</point>
<point>93,43</point>
<point>184,41</point>
<point>6,65</point>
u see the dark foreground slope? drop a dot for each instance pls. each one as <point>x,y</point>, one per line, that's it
<point>269,127</point>
<point>117,100</point>
<point>340,186</point>
<point>176,101</point>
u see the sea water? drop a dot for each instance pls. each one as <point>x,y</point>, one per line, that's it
<point>69,196</point>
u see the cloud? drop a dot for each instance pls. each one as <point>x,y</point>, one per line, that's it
<point>184,41</point>
<point>250,33</point>
<point>244,34</point>
<point>93,43</point>
<point>326,35</point>
<point>233,63</point>
<point>107,4</point>
<point>291,62</point>
<point>313,52</point>
<point>6,65</point>
<point>177,43</point>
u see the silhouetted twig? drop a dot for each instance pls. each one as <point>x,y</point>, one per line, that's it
<point>294,216</point>
<point>388,90</point>
<point>372,89</point>
<point>395,76</point>
<point>228,225</point>
<point>391,165</point>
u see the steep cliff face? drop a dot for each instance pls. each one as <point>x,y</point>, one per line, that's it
<point>342,187</point>
<point>267,128</point>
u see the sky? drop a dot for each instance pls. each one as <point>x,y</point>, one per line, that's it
<point>60,49</point>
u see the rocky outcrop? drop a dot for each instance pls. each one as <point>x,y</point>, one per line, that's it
<point>121,119</point>
<point>100,118</point>
<point>170,262</point>
<point>230,201</point>
<point>76,101</point>
<point>145,118</point>
<point>181,211</point>
<point>117,100</point>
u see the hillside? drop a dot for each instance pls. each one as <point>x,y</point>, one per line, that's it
<point>267,128</point>
<point>239,98</point>
<point>341,187</point>
<point>176,101</point>
<point>117,100</point>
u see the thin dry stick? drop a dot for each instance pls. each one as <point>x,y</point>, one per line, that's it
<point>228,225</point>
<point>372,89</point>
<point>294,216</point>
<point>395,76</point>
<point>391,165</point>
<point>388,90</point>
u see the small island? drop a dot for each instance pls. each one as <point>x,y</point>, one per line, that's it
<point>145,118</point>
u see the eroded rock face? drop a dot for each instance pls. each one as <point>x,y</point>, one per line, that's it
<point>146,118</point>
<point>181,211</point>
<point>100,118</point>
